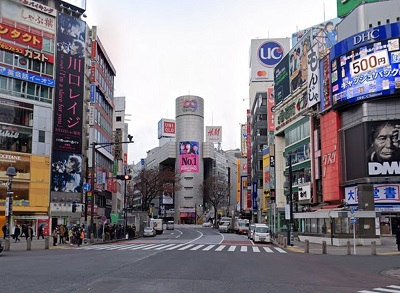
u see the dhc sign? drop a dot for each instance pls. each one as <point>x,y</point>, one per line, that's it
<point>270,53</point>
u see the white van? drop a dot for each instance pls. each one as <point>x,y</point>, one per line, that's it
<point>170,225</point>
<point>261,233</point>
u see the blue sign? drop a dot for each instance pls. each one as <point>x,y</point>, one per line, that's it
<point>92,93</point>
<point>254,196</point>
<point>87,187</point>
<point>270,53</point>
<point>26,76</point>
<point>353,220</point>
<point>352,210</point>
<point>366,65</point>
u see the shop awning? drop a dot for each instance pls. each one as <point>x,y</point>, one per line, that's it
<point>332,206</point>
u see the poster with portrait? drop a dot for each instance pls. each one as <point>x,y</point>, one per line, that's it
<point>189,156</point>
<point>298,63</point>
<point>66,172</point>
<point>383,155</point>
<point>71,36</point>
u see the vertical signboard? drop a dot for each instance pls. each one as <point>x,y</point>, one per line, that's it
<point>214,134</point>
<point>243,140</point>
<point>325,73</point>
<point>68,105</point>
<point>248,143</point>
<point>313,77</point>
<point>270,105</point>
<point>281,79</point>
<point>189,156</point>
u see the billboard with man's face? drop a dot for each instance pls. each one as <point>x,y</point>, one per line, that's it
<point>379,155</point>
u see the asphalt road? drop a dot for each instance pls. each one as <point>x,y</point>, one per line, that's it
<point>191,260</point>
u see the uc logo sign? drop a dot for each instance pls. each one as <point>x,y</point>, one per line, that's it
<point>270,53</point>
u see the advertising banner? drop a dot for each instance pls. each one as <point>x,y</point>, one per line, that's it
<point>270,104</point>
<point>298,63</point>
<point>189,156</point>
<point>345,7</point>
<point>167,197</point>
<point>243,136</point>
<point>281,80</point>
<point>254,197</point>
<point>214,134</point>
<point>66,172</point>
<point>383,194</point>
<point>265,54</point>
<point>313,77</point>
<point>21,36</point>
<point>45,224</point>
<point>69,91</point>
<point>26,76</point>
<point>384,148</point>
<point>325,83</point>
<point>324,34</point>
<point>23,14</point>
<point>379,155</point>
<point>28,53</point>
<point>366,65</point>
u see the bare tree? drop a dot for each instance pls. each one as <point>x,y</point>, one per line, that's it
<point>151,183</point>
<point>216,192</point>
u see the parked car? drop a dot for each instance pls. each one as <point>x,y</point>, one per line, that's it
<point>251,231</point>
<point>170,225</point>
<point>207,224</point>
<point>149,232</point>
<point>261,234</point>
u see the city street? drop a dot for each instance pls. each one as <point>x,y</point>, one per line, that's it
<point>192,259</point>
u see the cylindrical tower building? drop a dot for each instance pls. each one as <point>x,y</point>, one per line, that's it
<point>189,138</point>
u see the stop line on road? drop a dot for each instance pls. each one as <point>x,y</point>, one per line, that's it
<point>184,246</point>
<point>390,288</point>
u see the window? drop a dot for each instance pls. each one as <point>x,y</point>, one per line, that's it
<point>119,119</point>
<point>42,136</point>
<point>48,45</point>
<point>9,58</point>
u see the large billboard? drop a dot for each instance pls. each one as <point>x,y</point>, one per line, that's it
<point>281,80</point>
<point>214,134</point>
<point>372,149</point>
<point>265,54</point>
<point>66,172</point>
<point>41,17</point>
<point>344,7</point>
<point>166,128</point>
<point>68,104</point>
<point>324,34</point>
<point>189,156</point>
<point>366,65</point>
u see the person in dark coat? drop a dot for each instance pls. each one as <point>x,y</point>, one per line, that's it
<point>398,238</point>
<point>17,232</point>
<point>4,229</point>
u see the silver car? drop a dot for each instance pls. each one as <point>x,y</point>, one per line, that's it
<point>149,232</point>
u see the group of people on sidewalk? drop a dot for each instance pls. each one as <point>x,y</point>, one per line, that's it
<point>73,235</point>
<point>118,232</point>
<point>24,230</point>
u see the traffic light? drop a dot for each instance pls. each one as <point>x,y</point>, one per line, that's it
<point>124,177</point>
<point>74,206</point>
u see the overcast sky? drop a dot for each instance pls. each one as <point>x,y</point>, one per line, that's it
<point>163,49</point>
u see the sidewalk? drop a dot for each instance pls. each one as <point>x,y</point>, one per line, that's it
<point>388,247</point>
<point>39,244</point>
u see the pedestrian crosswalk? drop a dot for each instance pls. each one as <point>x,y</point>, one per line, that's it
<point>390,288</point>
<point>184,246</point>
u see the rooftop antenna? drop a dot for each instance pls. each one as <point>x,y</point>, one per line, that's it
<point>268,34</point>
<point>212,118</point>
<point>324,10</point>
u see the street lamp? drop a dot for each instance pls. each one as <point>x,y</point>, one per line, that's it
<point>94,149</point>
<point>9,204</point>
<point>289,199</point>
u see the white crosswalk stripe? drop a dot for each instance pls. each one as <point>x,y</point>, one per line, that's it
<point>390,288</point>
<point>186,246</point>
<point>197,247</point>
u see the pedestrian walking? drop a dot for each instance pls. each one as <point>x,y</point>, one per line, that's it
<point>17,232</point>
<point>55,236</point>
<point>4,229</point>
<point>62,234</point>
<point>40,232</point>
<point>30,233</point>
<point>398,238</point>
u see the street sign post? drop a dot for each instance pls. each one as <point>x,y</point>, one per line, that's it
<point>354,221</point>
<point>87,187</point>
